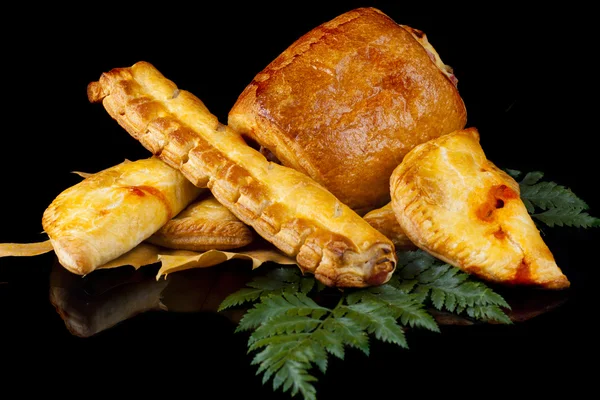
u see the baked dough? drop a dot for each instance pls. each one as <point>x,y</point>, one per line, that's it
<point>112,211</point>
<point>204,225</point>
<point>455,204</point>
<point>346,101</point>
<point>384,220</point>
<point>284,206</point>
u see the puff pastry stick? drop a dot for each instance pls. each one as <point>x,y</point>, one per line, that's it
<point>112,211</point>
<point>204,225</point>
<point>284,206</point>
<point>451,201</point>
<point>384,220</point>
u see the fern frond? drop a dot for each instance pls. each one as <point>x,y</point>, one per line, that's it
<point>488,313</point>
<point>286,304</point>
<point>448,288</point>
<point>284,324</point>
<point>350,332</point>
<point>377,320</point>
<point>407,308</point>
<point>276,282</point>
<point>244,295</point>
<point>547,195</point>
<point>573,217</point>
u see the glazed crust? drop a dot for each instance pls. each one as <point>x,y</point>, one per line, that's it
<point>203,225</point>
<point>112,211</point>
<point>284,206</point>
<point>384,220</point>
<point>346,102</point>
<point>457,205</point>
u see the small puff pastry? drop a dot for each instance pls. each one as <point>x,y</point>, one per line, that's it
<point>112,211</point>
<point>384,220</point>
<point>455,204</point>
<point>284,206</point>
<point>204,225</point>
<point>346,101</point>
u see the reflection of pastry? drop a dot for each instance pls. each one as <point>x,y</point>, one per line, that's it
<point>203,225</point>
<point>112,211</point>
<point>384,220</point>
<point>454,203</point>
<point>348,100</point>
<point>284,206</point>
<point>89,305</point>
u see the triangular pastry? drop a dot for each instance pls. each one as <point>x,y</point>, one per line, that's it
<point>204,225</point>
<point>457,205</point>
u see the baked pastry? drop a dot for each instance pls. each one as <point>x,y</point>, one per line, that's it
<point>284,206</point>
<point>384,220</point>
<point>346,101</point>
<point>112,211</point>
<point>454,203</point>
<point>203,225</point>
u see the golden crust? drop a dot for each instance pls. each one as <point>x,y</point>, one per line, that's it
<point>457,205</point>
<point>384,220</point>
<point>112,211</point>
<point>203,225</point>
<point>284,206</point>
<point>346,101</point>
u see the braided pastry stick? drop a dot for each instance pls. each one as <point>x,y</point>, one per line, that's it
<point>284,206</point>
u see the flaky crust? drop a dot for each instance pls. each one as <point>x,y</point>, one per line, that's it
<point>384,220</point>
<point>348,100</point>
<point>203,225</point>
<point>457,205</point>
<point>284,206</point>
<point>112,211</point>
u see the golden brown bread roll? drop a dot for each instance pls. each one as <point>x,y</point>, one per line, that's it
<point>112,211</point>
<point>284,206</point>
<point>346,102</point>
<point>203,225</point>
<point>453,202</point>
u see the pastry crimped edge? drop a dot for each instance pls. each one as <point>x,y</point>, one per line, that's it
<point>384,220</point>
<point>416,214</point>
<point>203,225</point>
<point>284,206</point>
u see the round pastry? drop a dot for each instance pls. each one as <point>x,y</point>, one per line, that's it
<point>346,102</point>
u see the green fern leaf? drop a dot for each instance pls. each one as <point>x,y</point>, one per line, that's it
<point>547,195</point>
<point>515,174</point>
<point>286,304</point>
<point>284,324</point>
<point>408,308</point>
<point>350,332</point>
<point>244,295</point>
<point>276,282</point>
<point>573,217</point>
<point>531,178</point>
<point>379,321</point>
<point>331,342</point>
<point>448,288</point>
<point>488,313</point>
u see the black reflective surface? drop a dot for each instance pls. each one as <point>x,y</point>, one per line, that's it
<point>525,78</point>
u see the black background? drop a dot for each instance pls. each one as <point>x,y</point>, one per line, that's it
<point>529,84</point>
